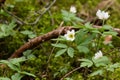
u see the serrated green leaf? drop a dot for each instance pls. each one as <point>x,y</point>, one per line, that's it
<point>96,31</point>
<point>102,61</point>
<point>6,30</point>
<point>67,15</point>
<point>78,19</point>
<point>27,52</point>
<point>26,32</point>
<point>3,28</point>
<point>32,36</point>
<point>107,27</point>
<point>98,72</point>
<point>112,67</point>
<point>82,49</point>
<point>12,25</point>
<point>86,63</point>
<point>4,62</point>
<point>17,60</point>
<point>14,67</point>
<point>80,36</point>
<point>26,73</point>
<point>88,25</point>
<point>60,52</point>
<point>110,33</point>
<point>60,45</point>
<point>70,52</point>
<point>16,76</point>
<point>88,40</point>
<point>4,78</point>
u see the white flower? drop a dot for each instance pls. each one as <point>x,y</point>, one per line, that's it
<point>98,55</point>
<point>102,15</point>
<point>73,9</point>
<point>70,35</point>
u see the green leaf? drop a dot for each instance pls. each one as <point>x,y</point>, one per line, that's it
<point>110,33</point>
<point>4,78</point>
<point>96,31</point>
<point>12,25</point>
<point>17,60</point>
<point>86,63</point>
<point>4,62</point>
<point>9,64</point>
<point>6,30</point>
<point>112,67</point>
<point>107,27</point>
<point>67,16</point>
<point>68,79</point>
<point>78,19</point>
<point>82,49</point>
<point>80,36</point>
<point>60,52</point>
<point>32,35</point>
<point>59,45</point>
<point>88,40</point>
<point>16,76</point>
<point>26,32</point>
<point>88,25</point>
<point>3,28</point>
<point>102,61</point>
<point>14,67</point>
<point>70,52</point>
<point>98,72</point>
<point>27,52</point>
<point>26,73</point>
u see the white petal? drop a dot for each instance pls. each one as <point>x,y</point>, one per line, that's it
<point>98,55</point>
<point>102,14</point>
<point>73,9</point>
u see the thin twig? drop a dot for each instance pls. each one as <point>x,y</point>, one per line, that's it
<point>52,20</point>
<point>70,73</point>
<point>42,13</point>
<point>19,21</point>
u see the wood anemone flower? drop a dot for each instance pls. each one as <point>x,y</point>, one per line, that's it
<point>102,15</point>
<point>70,35</point>
<point>98,55</point>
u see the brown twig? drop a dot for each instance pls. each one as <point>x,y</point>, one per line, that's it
<point>70,73</point>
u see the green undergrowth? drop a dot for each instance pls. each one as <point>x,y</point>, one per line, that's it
<point>40,65</point>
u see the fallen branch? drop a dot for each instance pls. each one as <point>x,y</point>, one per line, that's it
<point>34,42</point>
